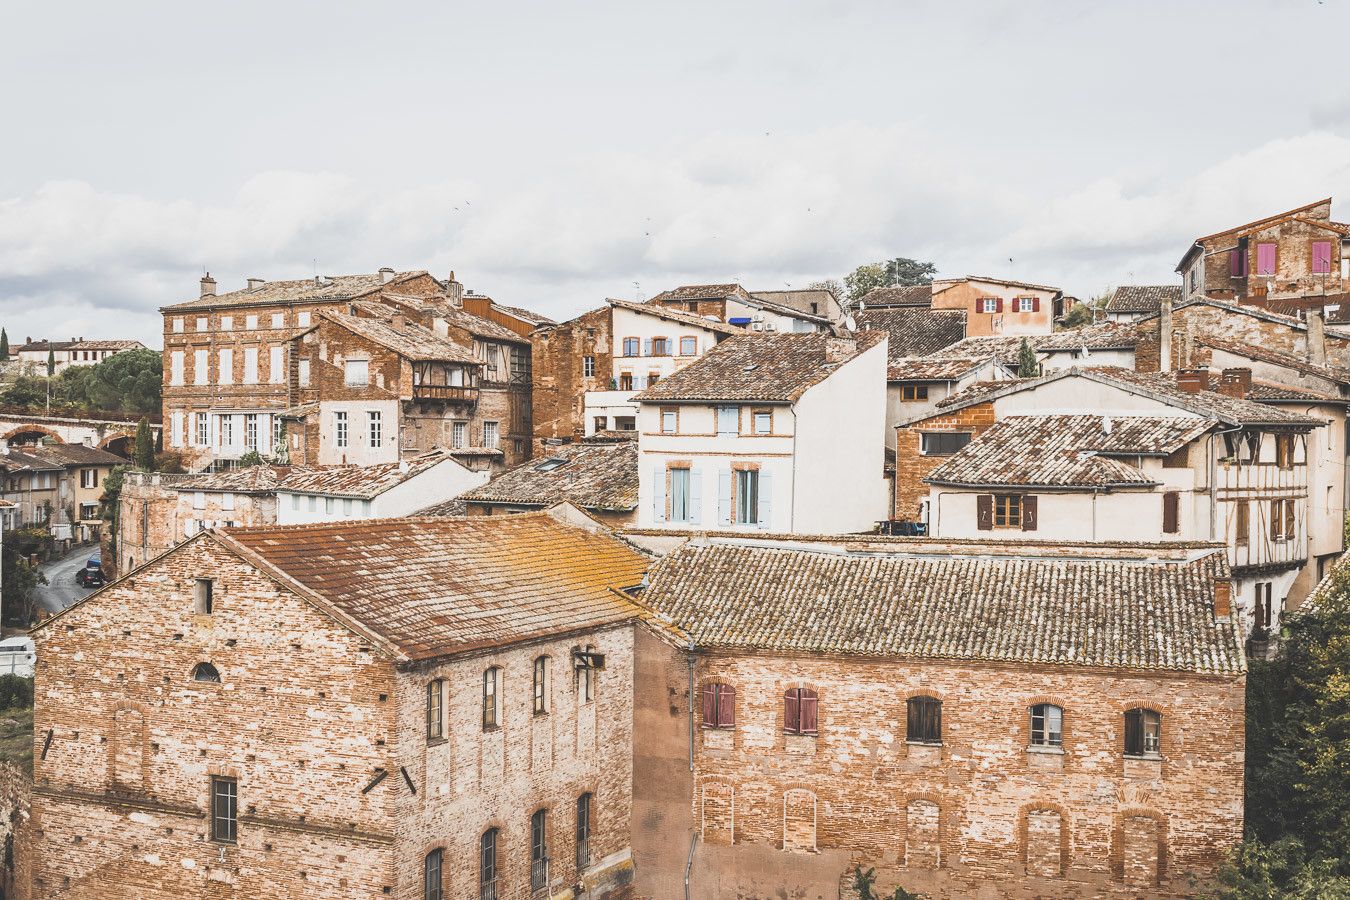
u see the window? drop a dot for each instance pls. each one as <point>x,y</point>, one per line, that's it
<point>227,366</point>
<point>660,346</point>
<point>1321,257</point>
<point>376,428</point>
<point>653,378</point>
<point>1047,725</point>
<point>584,830</point>
<point>689,346</point>
<point>199,500</point>
<point>251,322</point>
<point>541,686</point>
<point>1261,618</point>
<point>203,430</point>
<point>602,423</point>
<point>356,372</point>
<point>490,435</point>
<point>1284,451</point>
<point>1195,277</point>
<point>539,850</point>
<point>224,809</point>
<point>201,373</point>
<point>728,421</point>
<point>276,365</point>
<point>586,678</point>
<point>203,600</point>
<point>1265,258</point>
<point>347,507</point>
<point>911,392</point>
<point>340,428</point>
<point>226,431</point>
<point>487,865</point>
<point>176,367</point>
<point>178,325</point>
<point>278,320</point>
<point>302,319</point>
<point>251,431</point>
<point>763,421</point>
<point>747,497</point>
<point>458,430</point>
<point>226,323</point>
<point>923,720</point>
<point>588,366</point>
<point>625,423</point>
<point>204,671</point>
<point>1007,510</point>
<point>680,495</point>
<point>202,323</point>
<point>626,381</point>
<point>1237,262</point>
<point>302,372</point>
<point>1282,520</point>
<point>989,305</point>
<point>492,698</point>
<point>799,711</point>
<point>1143,732</point>
<point>942,443</point>
<point>1027,304</point>
<point>89,478</point>
<point>1171,514</point>
<point>631,346</point>
<point>719,706</point>
<point>250,365</point>
<point>670,419</point>
<point>435,709</point>
<point>431,875</point>
<point>1242,522</point>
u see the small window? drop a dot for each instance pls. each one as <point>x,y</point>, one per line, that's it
<point>539,850</point>
<point>203,324</point>
<point>492,698</point>
<point>541,685</point>
<point>989,305</point>
<point>601,423</point>
<point>178,325</point>
<point>224,809</point>
<point>681,509</point>
<point>799,711</point>
<point>1026,304</point>
<point>1143,733</point>
<point>375,422</point>
<point>625,423</point>
<point>584,830</point>
<point>1284,451</point>
<point>459,435</point>
<point>588,366</point>
<point>435,709</point>
<point>431,875</point>
<point>278,320</point>
<point>204,671</point>
<point>356,372</point>
<point>923,720</point>
<point>487,865</point>
<point>302,319</point>
<point>490,435</point>
<point>688,346</point>
<point>548,465</point>
<point>670,419</point>
<point>942,443</point>
<point>340,429</point>
<point>728,421</point>
<point>911,392</point>
<point>203,599</point>
<point>1007,510</point>
<point>587,676</point>
<point>626,381</point>
<point>719,706</point>
<point>660,346</point>
<point>1282,526</point>
<point>746,504</point>
<point>1047,725</point>
<point>763,421</point>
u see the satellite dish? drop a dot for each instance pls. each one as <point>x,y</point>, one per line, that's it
<point>850,323</point>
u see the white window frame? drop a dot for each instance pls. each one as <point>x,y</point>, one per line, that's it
<point>375,428</point>
<point>340,429</point>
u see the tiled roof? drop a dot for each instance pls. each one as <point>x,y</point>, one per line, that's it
<point>1067,451</point>
<point>53,456</point>
<point>1139,298</point>
<point>675,315</point>
<point>1056,610</point>
<point>1275,357</point>
<point>261,479</point>
<point>455,507</point>
<point>412,341</point>
<point>427,587</point>
<point>1104,336</point>
<point>365,482</point>
<point>27,459</point>
<point>914,331</point>
<point>990,279</point>
<point>757,367</point>
<point>320,289</point>
<point>601,476</point>
<point>525,315</point>
<point>927,368</point>
<point>900,295</point>
<point>700,292</point>
<point>457,316</point>
<point>39,346</point>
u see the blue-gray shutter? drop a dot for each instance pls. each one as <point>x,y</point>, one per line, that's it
<point>695,497</point>
<point>765,499</point>
<point>646,346</point>
<point>640,382</point>
<point>724,497</point>
<point>658,494</point>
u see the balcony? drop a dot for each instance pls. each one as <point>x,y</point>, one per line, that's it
<point>445,392</point>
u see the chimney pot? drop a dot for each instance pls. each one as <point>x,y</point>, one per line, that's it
<point>386,275</point>
<point>1193,381</point>
<point>255,283</point>
<point>1236,382</point>
<point>208,285</point>
<point>1223,600</point>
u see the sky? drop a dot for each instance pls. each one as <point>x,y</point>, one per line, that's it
<point>553,155</point>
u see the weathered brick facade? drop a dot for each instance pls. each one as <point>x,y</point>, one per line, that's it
<point>1192,322</point>
<point>559,382</point>
<point>911,466</point>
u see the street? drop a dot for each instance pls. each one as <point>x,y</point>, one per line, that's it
<point>61,590</point>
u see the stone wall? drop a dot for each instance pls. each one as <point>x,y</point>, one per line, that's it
<point>559,383</point>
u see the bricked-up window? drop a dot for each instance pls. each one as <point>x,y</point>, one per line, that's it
<point>688,346</point>
<point>356,372</point>
<point>224,809</point>
<point>487,865</point>
<point>799,711</point>
<point>492,698</point>
<point>541,683</point>
<point>431,875</point>
<point>203,596</point>
<point>204,671</point>
<point>719,706</point>
<point>1282,520</point>
<point>539,850</point>
<point>923,723</point>
<point>631,346</point>
<point>1284,451</point>
<point>584,830</point>
<point>1047,725</point>
<point>435,709</point>
<point>1143,732</point>
<point>942,443</point>
<point>588,366</point>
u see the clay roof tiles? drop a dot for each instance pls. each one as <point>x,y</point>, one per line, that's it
<point>600,476</point>
<point>914,331</point>
<point>701,292</point>
<point>900,295</point>
<point>261,479</point>
<point>320,289</point>
<point>676,315</point>
<point>1142,298</point>
<point>411,341</point>
<point>364,482</point>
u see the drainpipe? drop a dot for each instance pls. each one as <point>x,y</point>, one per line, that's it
<point>689,863</point>
<point>693,836</point>
<point>1213,480</point>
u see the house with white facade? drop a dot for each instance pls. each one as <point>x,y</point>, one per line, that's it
<point>35,356</point>
<point>770,432</point>
<point>388,490</point>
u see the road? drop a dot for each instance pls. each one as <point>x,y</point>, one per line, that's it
<point>61,590</point>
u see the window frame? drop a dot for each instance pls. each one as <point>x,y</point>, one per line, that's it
<point>341,436</point>
<point>205,668</point>
<point>670,420</point>
<point>203,596</point>
<point>539,849</point>
<point>911,392</point>
<point>745,496</point>
<point>1141,749</point>
<point>487,864</point>
<point>375,428</point>
<point>795,702</point>
<point>584,815</point>
<point>723,706</point>
<point>923,720</point>
<point>588,366</point>
<point>1284,450</point>
<point>1043,735</point>
<point>348,370</point>
<point>926,436</point>
<point>661,346</point>
<point>690,342</point>
<point>224,822</point>
<point>1005,510</point>
<point>492,698</point>
<point>433,885</point>
<point>635,344</point>
<point>435,710</point>
<point>685,495</point>
<point>755,416</point>
<point>540,686</point>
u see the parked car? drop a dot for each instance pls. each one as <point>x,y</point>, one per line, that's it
<point>92,573</point>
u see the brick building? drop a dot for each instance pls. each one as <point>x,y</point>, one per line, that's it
<point>993,306</point>
<point>969,719</point>
<point>246,717</point>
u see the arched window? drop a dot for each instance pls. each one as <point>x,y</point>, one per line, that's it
<point>799,711</point>
<point>541,685</point>
<point>584,830</point>
<point>719,706</point>
<point>924,720</point>
<point>487,865</point>
<point>435,709</point>
<point>1047,725</point>
<point>1143,732</point>
<point>492,698</point>
<point>204,671</point>
<point>431,875</point>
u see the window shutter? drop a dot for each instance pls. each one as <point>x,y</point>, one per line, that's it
<point>808,711</point>
<point>710,704</point>
<point>726,706</point>
<point>1134,732</point>
<point>765,513</point>
<point>658,494</point>
<point>1235,263</point>
<point>1275,520</point>
<point>1321,257</point>
<point>1029,512</point>
<point>1265,259</point>
<point>984,512</point>
<point>979,304</point>
<point>792,709</point>
<point>724,497</point>
<point>1035,304</point>
<point>998,306</point>
<point>646,346</point>
<point>1171,512</point>
<point>695,497</point>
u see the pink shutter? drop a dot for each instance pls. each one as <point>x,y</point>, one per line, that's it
<point>1321,257</point>
<point>1265,259</point>
<point>1235,263</point>
<point>792,711</point>
<point>808,708</point>
<point>726,706</point>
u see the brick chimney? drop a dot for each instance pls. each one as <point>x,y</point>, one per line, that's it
<point>398,322</point>
<point>1165,335</point>
<point>1223,600</point>
<point>1236,383</point>
<point>1193,381</point>
<point>838,349</point>
<point>255,283</point>
<point>1317,337</point>
<point>208,285</point>
<point>386,275</point>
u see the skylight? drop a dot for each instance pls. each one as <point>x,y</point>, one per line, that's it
<point>548,465</point>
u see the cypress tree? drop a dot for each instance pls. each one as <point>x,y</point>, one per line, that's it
<point>1027,364</point>
<point>145,446</point>
<point>4,345</point>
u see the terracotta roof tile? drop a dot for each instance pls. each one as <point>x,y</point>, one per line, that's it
<point>701,292</point>
<point>927,368</point>
<point>1275,357</point>
<point>245,480</point>
<point>914,331</point>
<point>1142,298</point>
<point>675,315</point>
<point>365,482</point>
<point>899,295</point>
<point>601,476</point>
<point>322,289</point>
<point>412,341</point>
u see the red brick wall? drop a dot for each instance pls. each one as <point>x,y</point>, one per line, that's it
<point>911,467</point>
<point>559,386</point>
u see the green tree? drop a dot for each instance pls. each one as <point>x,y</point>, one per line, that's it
<point>1257,871</point>
<point>251,458</point>
<point>21,580</point>
<point>4,345</point>
<point>864,279</point>
<point>144,455</point>
<point>51,363</point>
<point>1028,366</point>
<point>902,270</point>
<point>897,272</point>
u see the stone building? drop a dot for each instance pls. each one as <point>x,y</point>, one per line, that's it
<point>971,719</point>
<point>993,306</point>
<point>599,476</point>
<point>247,717</point>
<point>55,484</point>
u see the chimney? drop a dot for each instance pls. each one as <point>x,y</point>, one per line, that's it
<point>1236,383</point>
<point>1223,600</point>
<point>1193,381</point>
<point>255,283</point>
<point>1317,337</point>
<point>1165,335</point>
<point>454,290</point>
<point>1106,425</point>
<point>208,285</point>
<point>398,322</point>
<point>386,275</point>
<point>838,349</point>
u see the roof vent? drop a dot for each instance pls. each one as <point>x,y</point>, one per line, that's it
<point>386,275</point>
<point>255,283</point>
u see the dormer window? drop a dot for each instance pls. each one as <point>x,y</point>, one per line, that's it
<point>548,465</point>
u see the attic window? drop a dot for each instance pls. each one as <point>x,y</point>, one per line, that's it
<point>548,465</point>
<point>204,671</point>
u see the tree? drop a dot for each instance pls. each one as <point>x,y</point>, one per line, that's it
<point>898,272</point>
<point>1028,366</point>
<point>20,586</point>
<point>904,271</point>
<point>863,280</point>
<point>863,883</point>
<point>251,458</point>
<point>833,285</point>
<point>144,454</point>
<point>4,345</point>
<point>51,363</point>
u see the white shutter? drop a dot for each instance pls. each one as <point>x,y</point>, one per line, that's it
<point>177,419</point>
<point>765,512</point>
<point>646,346</point>
<point>724,497</point>
<point>658,494</point>
<point>695,497</point>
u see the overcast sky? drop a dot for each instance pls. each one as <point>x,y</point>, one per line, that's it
<point>556,154</point>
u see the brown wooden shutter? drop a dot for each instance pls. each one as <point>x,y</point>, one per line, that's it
<point>1035,304</point>
<point>999,306</point>
<point>710,705</point>
<point>1028,512</point>
<point>808,711</point>
<point>726,706</point>
<point>1134,732</point>
<point>984,512</point>
<point>792,711</point>
<point>1171,512</point>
